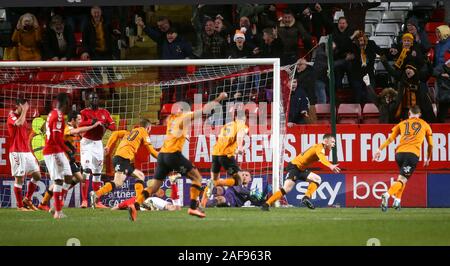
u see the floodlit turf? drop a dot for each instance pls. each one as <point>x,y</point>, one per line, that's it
<point>244,226</point>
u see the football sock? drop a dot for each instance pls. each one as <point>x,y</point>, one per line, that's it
<point>84,189</point>
<point>311,189</point>
<point>124,204</point>
<point>108,187</point>
<point>65,188</point>
<point>174,191</point>
<point>18,193</point>
<point>96,186</point>
<point>399,193</point>
<point>139,187</point>
<point>225,182</point>
<point>57,193</point>
<point>276,196</point>
<point>194,193</point>
<point>395,187</point>
<point>48,195</point>
<point>31,188</point>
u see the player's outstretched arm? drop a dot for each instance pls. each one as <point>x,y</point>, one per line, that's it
<point>240,140</point>
<point>392,137</point>
<point>115,136</point>
<point>222,96</point>
<point>152,150</point>
<point>323,159</point>
<point>429,138</point>
<point>80,130</point>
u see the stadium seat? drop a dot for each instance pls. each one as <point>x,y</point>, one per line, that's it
<point>430,27</point>
<point>323,113</point>
<point>393,17</point>
<point>385,42</point>
<point>369,30</point>
<point>387,29</point>
<point>337,15</point>
<point>78,38</point>
<point>71,75</point>
<point>382,7</point>
<point>349,113</point>
<point>370,114</point>
<point>47,77</point>
<point>379,68</point>
<point>373,17</point>
<point>424,6</point>
<point>401,6</point>
<point>432,38</point>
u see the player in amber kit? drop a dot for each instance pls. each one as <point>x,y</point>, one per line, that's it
<point>124,156</point>
<point>171,159</point>
<point>412,133</point>
<point>71,131</point>
<point>22,160</point>
<point>56,161</point>
<point>229,143</point>
<point>91,146</point>
<point>297,170</point>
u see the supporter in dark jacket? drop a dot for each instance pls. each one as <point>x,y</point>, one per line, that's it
<point>386,102</point>
<point>58,41</point>
<point>97,37</point>
<point>239,47</point>
<point>298,105</point>
<point>272,47</point>
<point>420,36</point>
<point>214,46</point>
<point>442,74</point>
<point>290,31</point>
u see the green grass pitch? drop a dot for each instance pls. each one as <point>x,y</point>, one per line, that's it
<point>230,226</point>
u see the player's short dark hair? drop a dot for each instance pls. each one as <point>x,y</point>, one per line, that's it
<point>144,122</point>
<point>327,136</point>
<point>62,99</point>
<point>72,115</point>
<point>20,101</point>
<point>415,110</point>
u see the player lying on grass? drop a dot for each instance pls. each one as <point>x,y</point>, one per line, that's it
<point>229,143</point>
<point>71,131</point>
<point>22,160</point>
<point>154,203</point>
<point>234,196</point>
<point>124,156</point>
<point>297,170</point>
<point>413,132</point>
<point>171,159</point>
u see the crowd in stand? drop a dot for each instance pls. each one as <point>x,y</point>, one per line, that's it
<point>249,31</point>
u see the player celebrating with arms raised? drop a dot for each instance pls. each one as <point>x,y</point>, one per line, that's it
<point>91,146</point>
<point>412,133</point>
<point>297,170</point>
<point>171,159</point>
<point>124,157</point>
<point>22,160</point>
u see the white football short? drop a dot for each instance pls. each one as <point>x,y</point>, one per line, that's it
<point>23,163</point>
<point>58,166</point>
<point>91,155</point>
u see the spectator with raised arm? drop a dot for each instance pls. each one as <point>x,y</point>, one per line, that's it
<point>442,74</point>
<point>271,47</point>
<point>386,101</point>
<point>214,46</point>
<point>158,33</point>
<point>298,105</point>
<point>239,47</point>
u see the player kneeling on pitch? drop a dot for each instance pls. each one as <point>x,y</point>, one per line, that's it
<point>412,133</point>
<point>124,156</point>
<point>297,170</point>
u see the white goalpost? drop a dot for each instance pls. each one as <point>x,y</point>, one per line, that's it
<point>143,88</point>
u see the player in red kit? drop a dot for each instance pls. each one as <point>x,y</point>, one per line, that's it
<point>22,160</point>
<point>56,161</point>
<point>91,146</point>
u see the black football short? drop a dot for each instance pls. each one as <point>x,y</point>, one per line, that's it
<point>168,162</point>
<point>295,174</point>
<point>407,162</point>
<point>74,167</point>
<point>122,165</point>
<point>228,163</point>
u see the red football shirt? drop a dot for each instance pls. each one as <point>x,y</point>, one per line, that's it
<point>18,134</point>
<point>102,115</point>
<point>54,143</point>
